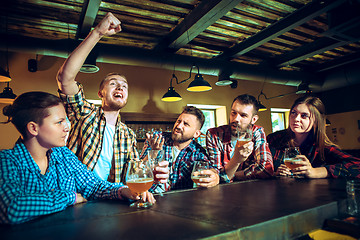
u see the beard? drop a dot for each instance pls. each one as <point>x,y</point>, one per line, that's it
<point>234,126</point>
<point>180,138</point>
<point>114,106</point>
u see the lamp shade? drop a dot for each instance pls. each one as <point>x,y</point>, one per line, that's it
<point>224,82</point>
<point>4,76</point>
<point>171,96</point>
<point>7,96</point>
<point>224,79</point>
<point>303,88</point>
<point>262,107</point>
<point>199,84</point>
<point>89,65</point>
<point>327,123</point>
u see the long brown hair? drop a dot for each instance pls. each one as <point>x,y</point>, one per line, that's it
<point>317,109</point>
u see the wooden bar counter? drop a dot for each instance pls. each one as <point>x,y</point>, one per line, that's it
<point>279,208</point>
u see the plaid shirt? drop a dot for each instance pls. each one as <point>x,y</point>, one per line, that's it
<point>337,162</point>
<point>87,131</point>
<point>181,167</point>
<point>258,165</point>
<point>26,194</point>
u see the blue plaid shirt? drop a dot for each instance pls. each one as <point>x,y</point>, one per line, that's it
<point>26,194</point>
<point>181,167</point>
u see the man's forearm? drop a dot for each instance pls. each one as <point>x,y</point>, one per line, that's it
<point>71,67</point>
<point>233,165</point>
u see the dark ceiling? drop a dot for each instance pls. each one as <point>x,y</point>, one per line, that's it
<point>280,41</point>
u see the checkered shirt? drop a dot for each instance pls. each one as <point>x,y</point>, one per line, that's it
<point>258,165</point>
<point>337,163</point>
<point>87,132</point>
<point>26,194</point>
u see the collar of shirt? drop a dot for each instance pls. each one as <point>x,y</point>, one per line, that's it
<point>100,112</point>
<point>20,151</point>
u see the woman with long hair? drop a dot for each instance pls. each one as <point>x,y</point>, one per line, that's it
<point>319,157</point>
<point>40,175</point>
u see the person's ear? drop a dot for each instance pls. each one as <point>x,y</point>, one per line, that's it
<point>100,94</point>
<point>254,119</point>
<point>197,133</point>
<point>33,128</point>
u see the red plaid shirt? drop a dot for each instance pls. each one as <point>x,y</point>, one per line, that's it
<point>258,165</point>
<point>337,162</point>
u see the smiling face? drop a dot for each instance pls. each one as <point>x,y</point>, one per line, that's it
<point>54,128</point>
<point>185,128</point>
<point>241,116</point>
<point>114,93</point>
<point>301,120</point>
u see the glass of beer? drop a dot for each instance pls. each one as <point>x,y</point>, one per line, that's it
<point>290,159</point>
<point>244,135</point>
<point>139,178</point>
<point>196,172</point>
<point>155,157</point>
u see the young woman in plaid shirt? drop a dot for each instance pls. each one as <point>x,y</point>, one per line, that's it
<point>320,158</point>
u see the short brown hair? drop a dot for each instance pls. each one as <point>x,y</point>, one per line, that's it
<point>30,106</point>
<point>108,75</point>
<point>196,112</point>
<point>247,99</point>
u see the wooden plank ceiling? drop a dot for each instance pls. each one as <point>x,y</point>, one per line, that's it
<point>291,35</point>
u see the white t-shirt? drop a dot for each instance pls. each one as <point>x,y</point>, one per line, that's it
<point>103,165</point>
<point>174,152</point>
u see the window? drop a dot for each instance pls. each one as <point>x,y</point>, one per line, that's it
<point>279,118</point>
<point>210,119</point>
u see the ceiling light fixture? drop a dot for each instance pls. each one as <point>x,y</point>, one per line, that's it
<point>327,123</point>
<point>224,79</point>
<point>171,95</point>
<point>303,88</point>
<point>4,75</point>
<point>261,106</point>
<point>7,96</point>
<point>89,65</point>
<point>198,84</point>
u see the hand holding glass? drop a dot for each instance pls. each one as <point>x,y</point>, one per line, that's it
<point>196,174</point>
<point>244,136</point>
<point>155,157</point>
<point>139,178</point>
<point>290,159</point>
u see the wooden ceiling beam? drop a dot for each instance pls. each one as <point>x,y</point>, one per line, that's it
<point>87,18</point>
<point>319,46</point>
<point>200,18</point>
<point>133,56</point>
<point>295,19</point>
<point>338,62</point>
